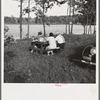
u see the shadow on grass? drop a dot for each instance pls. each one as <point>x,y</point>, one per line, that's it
<point>15,77</point>
<point>7,58</point>
<point>9,74</point>
<point>10,54</point>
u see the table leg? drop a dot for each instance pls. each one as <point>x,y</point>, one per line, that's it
<point>42,48</point>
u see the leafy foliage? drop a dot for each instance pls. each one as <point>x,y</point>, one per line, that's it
<point>8,39</point>
<point>87,7</point>
<point>49,19</point>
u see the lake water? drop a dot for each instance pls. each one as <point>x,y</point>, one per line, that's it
<point>34,29</point>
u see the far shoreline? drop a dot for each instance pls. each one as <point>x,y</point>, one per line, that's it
<point>34,24</point>
<point>37,24</point>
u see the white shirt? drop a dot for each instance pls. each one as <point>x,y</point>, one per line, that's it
<point>60,39</point>
<point>52,42</point>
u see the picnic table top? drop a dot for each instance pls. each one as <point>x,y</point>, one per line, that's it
<point>37,42</point>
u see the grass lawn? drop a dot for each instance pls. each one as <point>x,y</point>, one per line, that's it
<point>20,66</point>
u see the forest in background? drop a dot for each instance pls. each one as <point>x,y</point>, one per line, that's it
<point>51,20</point>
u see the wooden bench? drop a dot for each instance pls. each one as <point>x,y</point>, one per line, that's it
<point>48,51</point>
<point>42,49</point>
<point>51,51</point>
<point>37,50</point>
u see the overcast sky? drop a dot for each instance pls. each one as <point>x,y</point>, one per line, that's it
<point>10,8</point>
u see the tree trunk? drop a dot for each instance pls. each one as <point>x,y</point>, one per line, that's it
<point>94,26</point>
<point>89,29</point>
<point>43,21</point>
<point>87,24</point>
<point>44,29</point>
<point>84,29</point>
<point>69,26</point>
<point>66,21</point>
<point>90,25</point>
<point>94,30</point>
<point>28,18</point>
<point>69,17</point>
<point>66,29</point>
<point>20,19</point>
<point>72,21</point>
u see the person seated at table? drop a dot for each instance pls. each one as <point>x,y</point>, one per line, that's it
<point>40,37</point>
<point>60,40</point>
<point>52,43</point>
<point>37,40</point>
<point>33,40</point>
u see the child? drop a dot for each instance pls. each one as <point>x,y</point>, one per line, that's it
<point>52,43</point>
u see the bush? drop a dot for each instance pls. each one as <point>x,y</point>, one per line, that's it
<point>8,39</point>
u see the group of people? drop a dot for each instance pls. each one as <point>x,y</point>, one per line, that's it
<point>53,42</point>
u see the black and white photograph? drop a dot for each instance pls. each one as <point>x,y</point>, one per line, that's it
<point>50,41</point>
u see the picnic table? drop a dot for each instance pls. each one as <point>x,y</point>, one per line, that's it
<point>41,46</point>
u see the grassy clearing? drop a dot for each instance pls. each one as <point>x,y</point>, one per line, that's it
<point>20,66</point>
